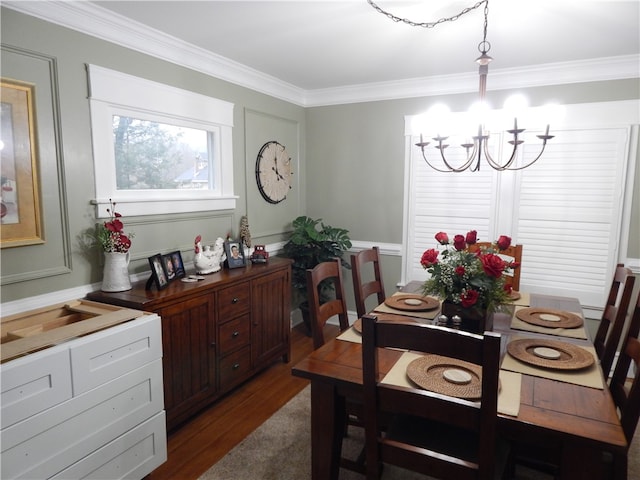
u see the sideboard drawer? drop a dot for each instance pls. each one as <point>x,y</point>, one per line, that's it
<point>34,383</point>
<point>235,367</point>
<point>234,301</point>
<point>235,334</point>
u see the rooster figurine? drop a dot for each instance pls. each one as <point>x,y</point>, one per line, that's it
<point>207,260</point>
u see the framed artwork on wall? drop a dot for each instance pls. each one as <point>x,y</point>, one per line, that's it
<point>20,211</point>
<point>235,254</point>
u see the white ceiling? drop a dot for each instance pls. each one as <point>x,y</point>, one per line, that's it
<point>317,46</point>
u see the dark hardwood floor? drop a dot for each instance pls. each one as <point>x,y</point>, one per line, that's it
<point>206,438</point>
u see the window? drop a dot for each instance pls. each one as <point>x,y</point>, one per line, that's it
<point>567,210</point>
<point>159,149</point>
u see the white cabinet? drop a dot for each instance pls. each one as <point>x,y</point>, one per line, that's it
<point>89,407</point>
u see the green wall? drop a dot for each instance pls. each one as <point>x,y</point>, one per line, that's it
<point>350,172</point>
<point>65,262</point>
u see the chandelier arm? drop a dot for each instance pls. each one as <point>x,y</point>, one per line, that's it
<point>477,150</point>
<point>467,162</point>
<point>502,167</point>
<point>429,163</point>
<point>544,144</point>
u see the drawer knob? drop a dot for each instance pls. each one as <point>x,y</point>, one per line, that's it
<point>235,334</point>
<point>235,300</point>
<point>236,366</point>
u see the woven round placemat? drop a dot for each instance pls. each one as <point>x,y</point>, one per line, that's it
<point>534,316</point>
<point>357,325</point>
<point>422,304</point>
<point>572,357</point>
<point>428,372</point>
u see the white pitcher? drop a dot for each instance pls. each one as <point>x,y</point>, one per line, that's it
<point>116,272</point>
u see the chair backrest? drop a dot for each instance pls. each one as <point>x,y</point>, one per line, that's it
<point>628,399</point>
<point>365,284</point>
<point>612,323</point>
<point>475,419</point>
<point>319,313</point>
<point>513,254</point>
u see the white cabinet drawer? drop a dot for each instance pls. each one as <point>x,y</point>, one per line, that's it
<point>61,436</point>
<point>133,455</point>
<point>32,384</point>
<point>103,356</point>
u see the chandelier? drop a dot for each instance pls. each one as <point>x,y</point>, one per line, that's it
<point>478,148</point>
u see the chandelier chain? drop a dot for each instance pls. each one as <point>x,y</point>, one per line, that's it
<point>485,46</point>
<point>431,24</point>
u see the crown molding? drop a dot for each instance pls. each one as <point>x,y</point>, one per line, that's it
<point>105,25</point>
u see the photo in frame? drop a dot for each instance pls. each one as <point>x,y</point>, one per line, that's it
<point>235,254</point>
<point>178,265</point>
<point>20,211</point>
<point>167,263</point>
<point>159,274</point>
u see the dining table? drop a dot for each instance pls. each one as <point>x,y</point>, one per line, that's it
<point>570,411</point>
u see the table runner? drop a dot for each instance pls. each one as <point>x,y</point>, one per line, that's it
<point>578,332</point>
<point>523,301</point>
<point>508,397</point>
<point>350,335</point>
<point>587,377</point>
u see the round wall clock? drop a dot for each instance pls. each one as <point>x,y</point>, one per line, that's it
<point>273,172</point>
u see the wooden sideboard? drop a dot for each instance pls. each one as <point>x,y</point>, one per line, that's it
<point>216,333</point>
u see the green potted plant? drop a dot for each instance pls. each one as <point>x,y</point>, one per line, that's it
<point>313,242</point>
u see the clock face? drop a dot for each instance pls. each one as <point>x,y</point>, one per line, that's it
<point>273,172</point>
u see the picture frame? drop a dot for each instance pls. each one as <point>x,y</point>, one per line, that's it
<point>159,275</point>
<point>235,254</point>
<point>20,209</point>
<point>178,264</point>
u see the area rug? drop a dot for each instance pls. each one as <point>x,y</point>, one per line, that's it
<point>280,449</point>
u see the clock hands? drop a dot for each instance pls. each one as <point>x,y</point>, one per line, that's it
<point>275,169</point>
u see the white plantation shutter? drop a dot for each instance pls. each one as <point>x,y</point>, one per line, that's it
<point>566,210</point>
<point>446,202</point>
<point>569,214</point>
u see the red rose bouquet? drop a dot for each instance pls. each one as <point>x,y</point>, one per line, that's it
<point>472,280</point>
<point>111,235</point>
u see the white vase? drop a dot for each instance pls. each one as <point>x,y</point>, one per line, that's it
<point>115,276</point>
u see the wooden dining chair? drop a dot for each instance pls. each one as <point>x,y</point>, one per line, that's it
<point>318,279</point>
<point>427,432</point>
<point>367,278</point>
<point>626,395</point>
<point>513,254</point>
<point>320,312</point>
<point>607,339</point>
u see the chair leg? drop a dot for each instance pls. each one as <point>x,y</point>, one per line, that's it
<point>509,472</point>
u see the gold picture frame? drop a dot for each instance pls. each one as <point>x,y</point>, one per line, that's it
<point>20,221</point>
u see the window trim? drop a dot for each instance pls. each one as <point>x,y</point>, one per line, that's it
<point>116,93</point>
